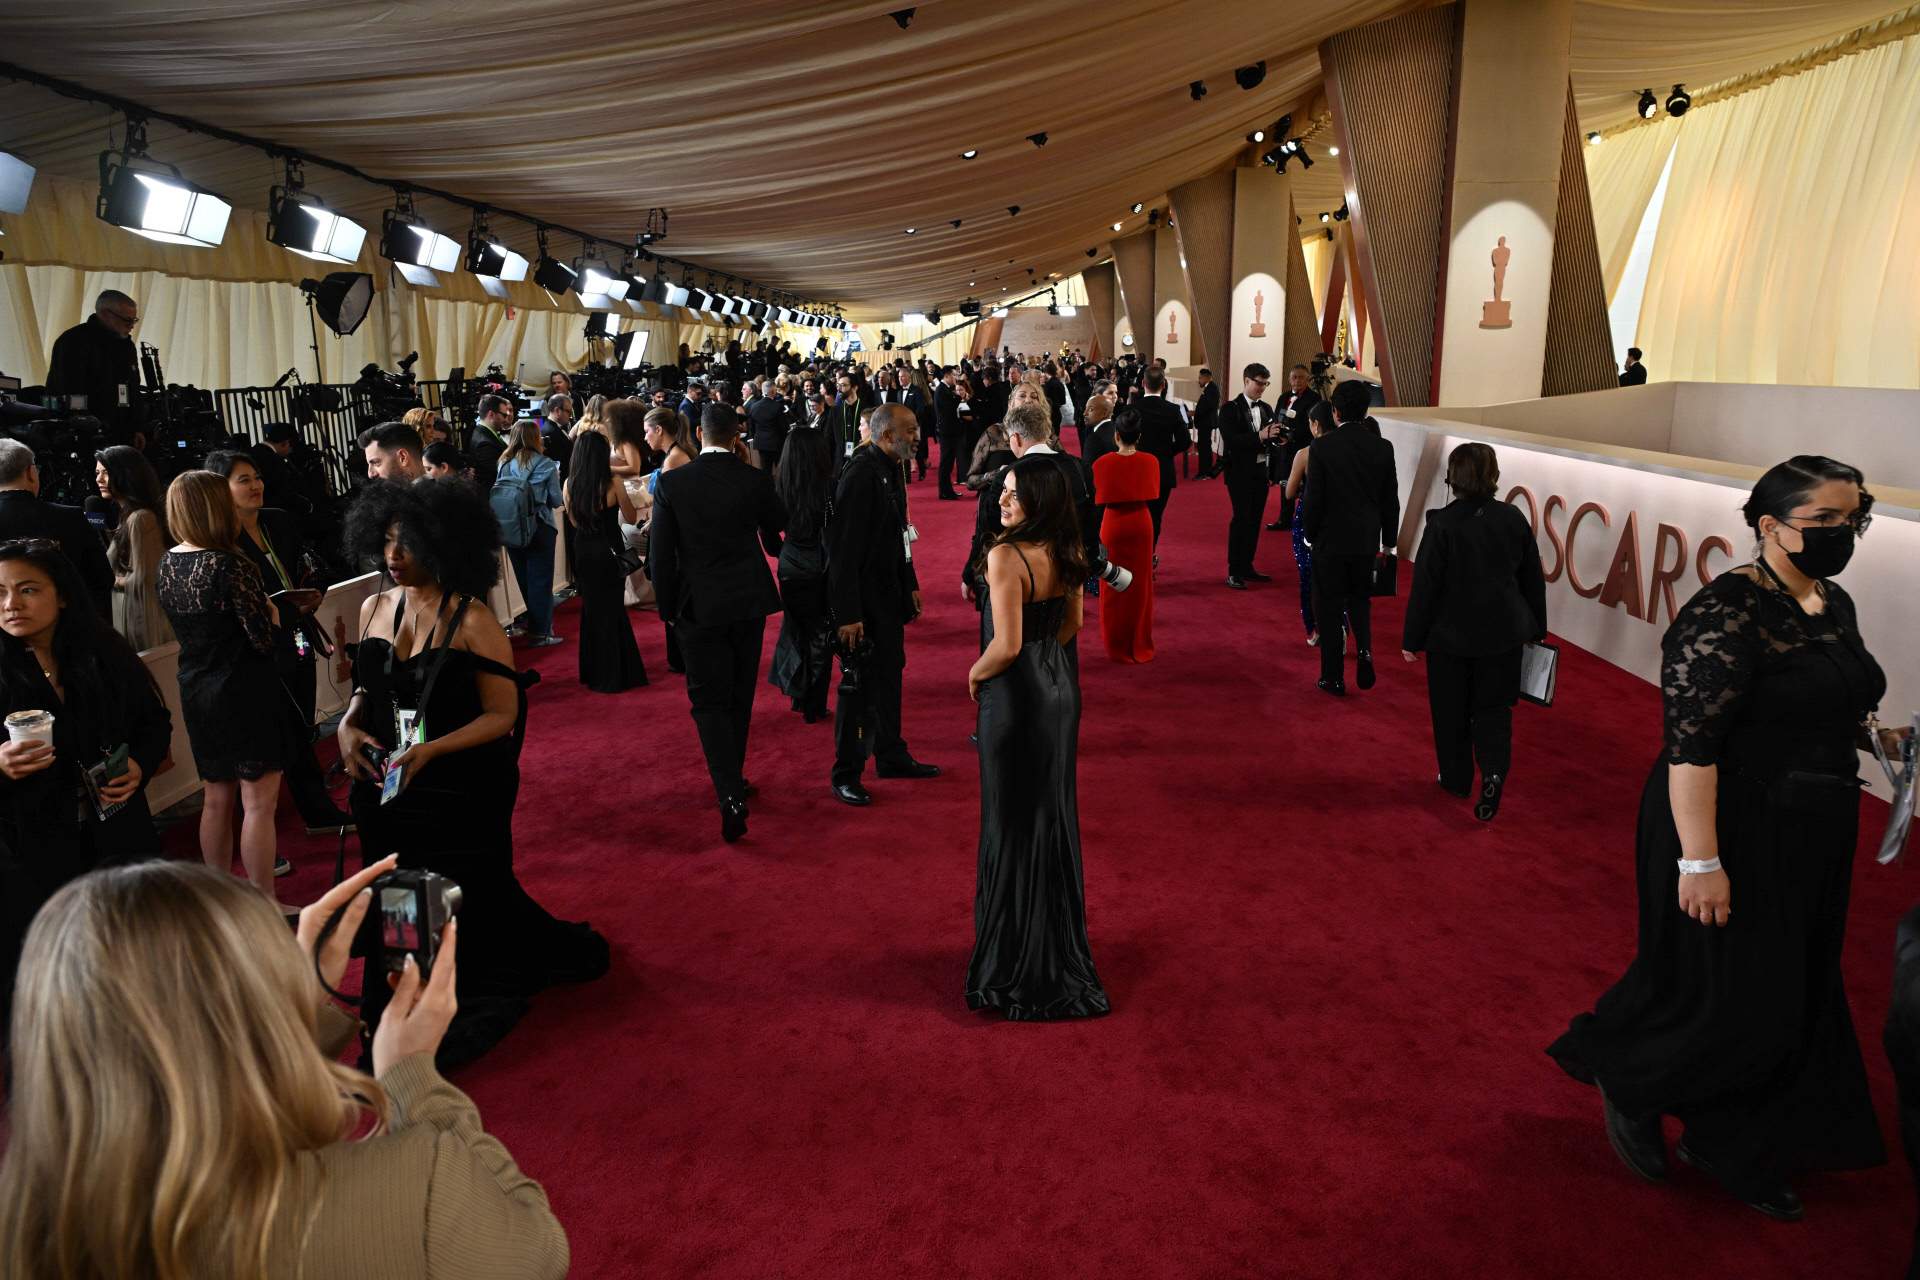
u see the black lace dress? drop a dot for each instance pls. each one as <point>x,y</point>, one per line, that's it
<point>609,658</point>
<point>230,691</point>
<point>1031,958</point>
<point>456,817</point>
<point>1742,1031</point>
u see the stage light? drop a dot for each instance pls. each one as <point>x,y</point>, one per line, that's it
<point>342,300</point>
<point>969,284</point>
<point>911,230</point>
<point>1679,101</point>
<point>1341,214</point>
<point>595,276</point>
<point>903,16</point>
<point>1333,151</point>
<point>1013,211</point>
<point>1053,306</point>
<point>16,180</point>
<point>1037,139</point>
<point>1594,139</point>
<point>1649,105</point>
<point>955,224</point>
<point>970,153</point>
<point>1270,157</point>
<point>1091,253</point>
<point>161,206</point>
<point>1249,77</point>
<point>1153,218</point>
<point>302,223</point>
<point>1283,126</point>
<point>1325,216</point>
<point>933,316</point>
<point>656,228</point>
<point>912,318</point>
<point>1197,90</point>
<point>1068,309</point>
<point>1116,226</point>
<point>554,276</point>
<point>1258,135</point>
<point>415,249</point>
<point>1306,161</point>
<point>487,257</point>
<point>1137,206</point>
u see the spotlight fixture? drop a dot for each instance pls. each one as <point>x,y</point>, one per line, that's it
<point>159,205</point>
<point>1153,218</point>
<point>903,16</point>
<point>1325,216</point>
<point>1093,253</point>
<point>1137,206</point>
<point>656,228</point>
<point>1594,139</point>
<point>1333,151</point>
<point>1013,211</point>
<point>557,278</point>
<point>300,222</point>
<point>598,278</point>
<point>1197,90</point>
<point>1258,135</point>
<point>416,250</point>
<point>911,230</point>
<point>970,153</point>
<point>1283,126</point>
<point>1250,76</point>
<point>1341,214</point>
<point>1679,101</point>
<point>1037,139</point>
<point>955,224</point>
<point>1053,305</point>
<point>913,318</point>
<point>1116,226</point>
<point>1649,105</point>
<point>1068,309</point>
<point>491,260</point>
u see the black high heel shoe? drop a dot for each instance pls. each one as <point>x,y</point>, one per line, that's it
<point>1490,789</point>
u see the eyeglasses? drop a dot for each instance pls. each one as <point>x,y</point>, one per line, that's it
<point>123,318</point>
<point>1859,520</point>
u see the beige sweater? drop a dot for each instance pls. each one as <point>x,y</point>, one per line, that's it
<point>435,1196</point>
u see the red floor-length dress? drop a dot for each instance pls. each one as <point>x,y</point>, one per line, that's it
<point>1124,484</point>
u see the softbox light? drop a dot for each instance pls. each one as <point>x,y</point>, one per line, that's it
<point>342,299</point>
<point>416,250</point>
<point>16,179</point>
<point>301,223</point>
<point>162,206</point>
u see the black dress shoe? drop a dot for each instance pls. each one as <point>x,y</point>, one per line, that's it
<point>733,820</point>
<point>1462,792</point>
<point>1238,584</point>
<point>1337,688</point>
<point>911,769</point>
<point>1275,527</point>
<point>1254,575</point>
<point>1639,1143</point>
<point>949,497</point>
<point>1363,671</point>
<point>1489,802</point>
<point>1776,1201</point>
<point>851,793</point>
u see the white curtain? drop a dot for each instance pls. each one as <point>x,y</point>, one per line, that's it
<point>1621,175</point>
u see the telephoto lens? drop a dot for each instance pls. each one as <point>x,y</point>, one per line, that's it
<point>1116,576</point>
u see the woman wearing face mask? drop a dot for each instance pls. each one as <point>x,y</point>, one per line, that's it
<point>1738,1024</point>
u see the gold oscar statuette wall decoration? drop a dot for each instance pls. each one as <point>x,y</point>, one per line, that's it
<point>1498,314</point>
<point>1257,329</point>
<point>1173,324</point>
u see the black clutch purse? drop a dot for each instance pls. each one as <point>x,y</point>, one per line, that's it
<point>1386,574</point>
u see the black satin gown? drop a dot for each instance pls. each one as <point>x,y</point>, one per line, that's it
<point>609,659</point>
<point>1743,1031</point>
<point>1031,959</point>
<point>456,818</point>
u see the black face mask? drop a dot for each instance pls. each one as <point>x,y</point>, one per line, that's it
<point>1824,550</point>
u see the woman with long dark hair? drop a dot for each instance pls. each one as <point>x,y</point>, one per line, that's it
<point>672,440</point>
<point>436,698</point>
<point>1739,1027</point>
<point>1031,958</point>
<point>802,666</point>
<point>60,658</point>
<point>597,507</point>
<point>125,477</point>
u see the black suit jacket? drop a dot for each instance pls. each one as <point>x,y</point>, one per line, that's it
<point>1242,456</point>
<point>1353,495</point>
<point>946,410</point>
<point>869,578</point>
<point>1634,377</point>
<point>1101,443</point>
<point>1477,585</point>
<point>1164,435</point>
<point>1206,409</point>
<point>24,515</point>
<point>708,567</point>
<point>768,421</point>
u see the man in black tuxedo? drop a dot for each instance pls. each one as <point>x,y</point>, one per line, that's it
<point>769,418</point>
<point>1633,374</point>
<point>991,407</point>
<point>1352,512</point>
<point>953,443</point>
<point>915,398</point>
<point>873,593</point>
<point>1163,433</point>
<point>1288,434</point>
<point>1243,461</point>
<point>24,515</point>
<point>1206,413</point>
<point>710,578</point>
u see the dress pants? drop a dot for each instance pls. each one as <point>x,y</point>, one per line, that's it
<point>1203,441</point>
<point>1342,585</point>
<point>533,573</point>
<point>723,661</point>
<point>1249,498</point>
<point>1157,508</point>
<point>1472,703</point>
<point>866,713</point>
<point>920,453</point>
<point>953,460</point>
<point>306,782</point>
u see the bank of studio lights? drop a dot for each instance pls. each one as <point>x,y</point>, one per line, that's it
<point>303,224</point>
<point>153,200</point>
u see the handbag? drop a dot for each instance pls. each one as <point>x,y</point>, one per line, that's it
<point>1386,574</point>
<point>625,557</point>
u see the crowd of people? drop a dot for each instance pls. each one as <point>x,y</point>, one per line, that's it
<point>724,503</point>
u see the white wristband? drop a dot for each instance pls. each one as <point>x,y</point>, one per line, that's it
<point>1689,867</point>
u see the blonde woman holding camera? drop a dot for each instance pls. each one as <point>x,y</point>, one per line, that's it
<point>185,1130</point>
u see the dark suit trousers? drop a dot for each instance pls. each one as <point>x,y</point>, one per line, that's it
<point>866,714</point>
<point>1249,498</point>
<point>1472,703</point>
<point>1158,510</point>
<point>1342,585</point>
<point>723,661</point>
<point>1203,441</point>
<point>953,460</point>
<point>305,780</point>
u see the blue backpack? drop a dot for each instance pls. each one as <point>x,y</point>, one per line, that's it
<point>512,503</point>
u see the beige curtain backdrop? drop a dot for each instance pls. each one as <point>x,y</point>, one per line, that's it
<point>1621,175</point>
<point>1789,246</point>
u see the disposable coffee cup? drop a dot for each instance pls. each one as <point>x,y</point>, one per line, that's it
<point>30,726</point>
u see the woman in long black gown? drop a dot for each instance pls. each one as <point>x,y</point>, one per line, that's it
<point>1737,1023</point>
<point>596,506</point>
<point>434,684</point>
<point>1031,959</point>
<point>802,666</point>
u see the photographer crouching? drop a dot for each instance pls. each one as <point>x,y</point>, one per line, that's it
<point>119,1066</point>
<point>86,729</point>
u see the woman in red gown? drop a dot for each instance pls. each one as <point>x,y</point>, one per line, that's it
<point>1124,482</point>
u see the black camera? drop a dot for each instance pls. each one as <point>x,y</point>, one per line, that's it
<point>409,910</point>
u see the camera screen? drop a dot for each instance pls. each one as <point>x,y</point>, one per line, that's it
<point>400,919</point>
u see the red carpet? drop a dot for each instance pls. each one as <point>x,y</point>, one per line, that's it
<point>1331,986</point>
